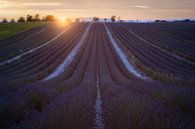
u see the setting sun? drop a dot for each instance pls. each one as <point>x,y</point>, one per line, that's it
<point>62,19</point>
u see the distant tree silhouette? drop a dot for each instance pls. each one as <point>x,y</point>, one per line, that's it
<point>21,19</point>
<point>50,18</point>
<point>12,20</point>
<point>187,20</point>
<point>113,18</point>
<point>77,20</point>
<point>29,18</point>
<point>4,20</point>
<point>119,19</point>
<point>105,19</point>
<point>95,19</point>
<point>37,17</point>
<point>160,21</point>
<point>157,21</point>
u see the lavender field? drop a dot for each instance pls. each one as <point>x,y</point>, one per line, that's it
<point>99,75</point>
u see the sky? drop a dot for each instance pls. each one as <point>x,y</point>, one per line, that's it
<point>126,9</point>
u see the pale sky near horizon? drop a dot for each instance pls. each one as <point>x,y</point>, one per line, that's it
<point>126,9</point>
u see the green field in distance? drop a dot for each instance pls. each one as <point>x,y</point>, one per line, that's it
<point>10,29</point>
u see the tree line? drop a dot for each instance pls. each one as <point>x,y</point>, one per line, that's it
<point>51,18</point>
<point>113,19</point>
<point>184,20</point>
<point>31,18</point>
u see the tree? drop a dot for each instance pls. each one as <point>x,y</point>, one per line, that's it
<point>21,19</point>
<point>12,20</point>
<point>77,20</point>
<point>29,18</point>
<point>187,20</point>
<point>37,17</point>
<point>95,19</point>
<point>4,20</point>
<point>160,21</point>
<point>157,21</point>
<point>113,18</point>
<point>50,18</point>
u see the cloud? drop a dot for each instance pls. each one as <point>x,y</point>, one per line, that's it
<point>140,6</point>
<point>41,4</point>
<point>21,5</point>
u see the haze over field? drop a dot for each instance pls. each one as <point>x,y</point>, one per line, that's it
<point>127,9</point>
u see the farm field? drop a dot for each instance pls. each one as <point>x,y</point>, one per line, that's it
<point>9,30</point>
<point>95,75</point>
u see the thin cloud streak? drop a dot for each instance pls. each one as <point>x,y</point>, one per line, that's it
<point>41,4</point>
<point>8,5</point>
<point>140,6</point>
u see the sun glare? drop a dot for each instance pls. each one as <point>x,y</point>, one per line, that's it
<point>62,19</point>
